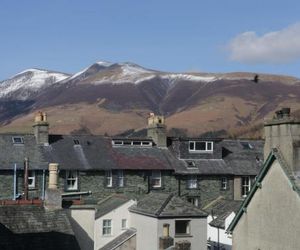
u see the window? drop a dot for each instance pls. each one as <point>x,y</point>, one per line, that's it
<point>124,224</point>
<point>182,227</point>
<point>194,201</point>
<point>120,178</point>
<point>31,179</point>
<point>76,142</point>
<point>191,164</point>
<point>246,145</point>
<point>17,140</point>
<point>246,185</point>
<point>192,182</point>
<point>132,143</point>
<point>71,180</point>
<point>223,183</point>
<point>156,179</point>
<point>108,176</point>
<point>106,227</point>
<point>201,146</point>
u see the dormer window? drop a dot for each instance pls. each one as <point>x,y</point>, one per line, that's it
<point>201,146</point>
<point>17,140</point>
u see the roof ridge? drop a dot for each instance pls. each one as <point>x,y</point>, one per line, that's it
<point>165,203</point>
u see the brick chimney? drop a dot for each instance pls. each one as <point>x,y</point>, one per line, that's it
<point>157,130</point>
<point>53,193</point>
<point>165,241</point>
<point>283,132</point>
<point>41,128</point>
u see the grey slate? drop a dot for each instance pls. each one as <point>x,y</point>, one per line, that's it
<point>221,209</point>
<point>110,203</point>
<point>129,233</point>
<point>161,205</point>
<point>33,227</point>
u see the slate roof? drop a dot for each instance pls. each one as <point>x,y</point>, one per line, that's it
<point>221,209</point>
<point>33,227</point>
<point>109,204</point>
<point>162,205</point>
<point>116,242</point>
<point>243,159</point>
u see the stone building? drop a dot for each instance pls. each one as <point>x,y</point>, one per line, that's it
<point>269,216</point>
<point>198,170</point>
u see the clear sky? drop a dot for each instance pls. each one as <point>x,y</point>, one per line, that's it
<point>169,35</point>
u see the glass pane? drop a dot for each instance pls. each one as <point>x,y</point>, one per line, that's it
<point>200,145</point>
<point>192,145</point>
<point>209,146</point>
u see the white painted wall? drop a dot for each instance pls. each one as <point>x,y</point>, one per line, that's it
<point>147,231</point>
<point>214,234</point>
<point>272,217</point>
<point>116,216</point>
<point>82,221</point>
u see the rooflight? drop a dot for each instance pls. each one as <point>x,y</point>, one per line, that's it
<point>76,142</point>
<point>17,140</point>
<point>131,143</point>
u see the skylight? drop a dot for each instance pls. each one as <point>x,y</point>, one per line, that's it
<point>76,142</point>
<point>134,143</point>
<point>17,140</point>
<point>246,145</point>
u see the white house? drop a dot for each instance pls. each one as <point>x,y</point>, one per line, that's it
<point>221,213</point>
<point>104,225</point>
<point>162,220</point>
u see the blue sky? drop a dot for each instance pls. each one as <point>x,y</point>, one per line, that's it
<point>170,35</point>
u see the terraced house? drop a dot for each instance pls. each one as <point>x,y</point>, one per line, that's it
<point>93,167</point>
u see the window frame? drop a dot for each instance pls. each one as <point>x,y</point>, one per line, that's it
<point>120,178</point>
<point>192,182</point>
<point>31,177</point>
<point>107,227</point>
<point>156,175</point>
<point>108,178</point>
<point>187,227</point>
<point>224,183</point>
<point>68,179</point>
<point>194,200</point>
<point>246,187</point>
<point>14,138</point>
<point>206,150</point>
<point>122,224</point>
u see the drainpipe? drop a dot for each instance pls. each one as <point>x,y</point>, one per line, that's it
<point>26,178</point>
<point>43,186</point>
<point>15,182</point>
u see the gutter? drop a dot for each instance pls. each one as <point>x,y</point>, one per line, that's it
<point>76,193</point>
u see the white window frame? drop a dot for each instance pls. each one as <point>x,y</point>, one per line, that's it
<point>224,183</point>
<point>192,182</point>
<point>124,224</point>
<point>109,178</point>
<point>74,177</point>
<point>16,138</point>
<point>194,201</point>
<point>107,229</point>
<point>246,185</point>
<point>31,176</point>
<point>207,143</point>
<point>120,176</point>
<point>156,176</point>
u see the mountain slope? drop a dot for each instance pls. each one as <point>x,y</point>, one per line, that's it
<point>115,97</point>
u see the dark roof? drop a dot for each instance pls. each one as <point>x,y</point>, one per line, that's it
<point>162,205</point>
<point>11,154</point>
<point>110,203</point>
<point>221,209</point>
<point>294,179</point>
<point>245,157</point>
<point>33,227</point>
<point>116,242</point>
<point>206,167</point>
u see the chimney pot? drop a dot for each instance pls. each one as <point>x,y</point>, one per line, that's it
<point>53,175</point>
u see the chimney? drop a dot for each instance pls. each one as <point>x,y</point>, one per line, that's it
<point>41,128</point>
<point>53,193</point>
<point>157,130</point>
<point>183,245</point>
<point>283,132</point>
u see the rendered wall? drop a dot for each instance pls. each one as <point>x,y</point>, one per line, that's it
<point>272,217</point>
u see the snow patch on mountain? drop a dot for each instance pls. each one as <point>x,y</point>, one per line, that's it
<point>189,77</point>
<point>28,81</point>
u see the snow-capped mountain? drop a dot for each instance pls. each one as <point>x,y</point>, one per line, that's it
<point>29,81</point>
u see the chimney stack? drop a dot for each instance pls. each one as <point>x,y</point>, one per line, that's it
<point>166,241</point>
<point>53,194</point>
<point>157,130</point>
<point>283,132</point>
<point>41,128</point>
